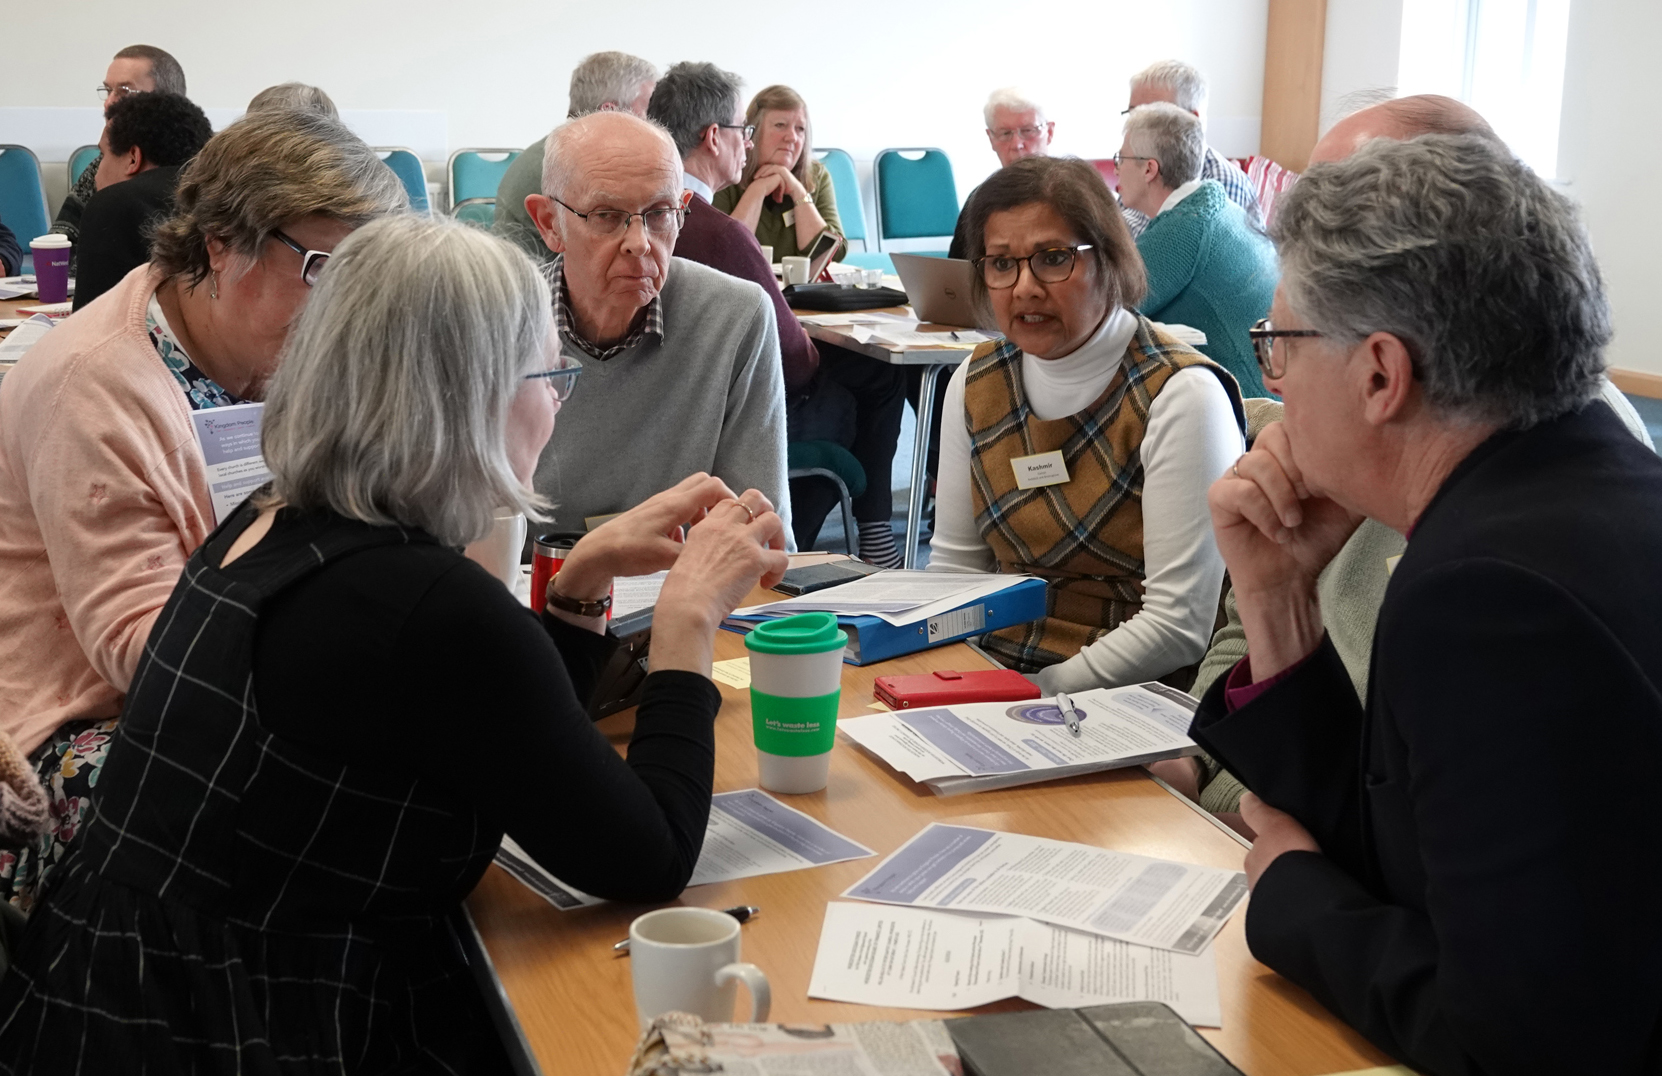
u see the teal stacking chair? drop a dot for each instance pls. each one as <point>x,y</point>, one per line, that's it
<point>79,160</point>
<point>407,167</point>
<point>827,461</point>
<point>845,182</point>
<point>915,198</point>
<point>22,198</point>
<point>476,173</point>
<point>479,212</point>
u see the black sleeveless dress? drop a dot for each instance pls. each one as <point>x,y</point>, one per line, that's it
<point>245,902</point>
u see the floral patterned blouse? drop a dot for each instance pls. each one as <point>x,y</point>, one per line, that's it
<point>201,391</point>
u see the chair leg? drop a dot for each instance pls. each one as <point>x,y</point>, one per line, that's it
<point>851,530</point>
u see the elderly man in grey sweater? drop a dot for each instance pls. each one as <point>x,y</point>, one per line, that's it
<point>681,370</point>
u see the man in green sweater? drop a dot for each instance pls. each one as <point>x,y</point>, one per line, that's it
<point>1208,267</point>
<point>603,82</point>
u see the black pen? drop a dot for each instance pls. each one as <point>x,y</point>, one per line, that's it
<point>742,913</point>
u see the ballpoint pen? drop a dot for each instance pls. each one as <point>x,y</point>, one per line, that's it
<point>1069,713</point>
<point>742,913</point>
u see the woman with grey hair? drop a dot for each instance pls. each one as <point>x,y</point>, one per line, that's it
<point>294,95</point>
<point>1438,339</point>
<point>285,826</point>
<point>104,489</point>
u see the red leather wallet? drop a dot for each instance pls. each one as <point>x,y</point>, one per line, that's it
<point>944,687</point>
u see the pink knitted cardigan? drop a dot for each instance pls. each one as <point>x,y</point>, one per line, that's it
<point>103,494</point>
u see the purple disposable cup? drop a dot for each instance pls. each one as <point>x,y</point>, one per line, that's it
<point>51,267</point>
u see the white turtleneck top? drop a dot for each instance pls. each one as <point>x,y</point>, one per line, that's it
<point>1191,440</point>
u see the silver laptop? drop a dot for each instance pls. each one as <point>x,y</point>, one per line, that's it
<point>939,288</point>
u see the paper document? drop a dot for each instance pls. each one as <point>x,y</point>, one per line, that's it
<point>230,440</point>
<point>750,833</point>
<point>963,747</point>
<point>897,596</point>
<point>917,1048</point>
<point>911,958</point>
<point>963,338</point>
<point>1155,902</point>
<point>55,310</point>
<point>25,336</point>
<point>1184,334</point>
<point>734,672</point>
<point>632,593</point>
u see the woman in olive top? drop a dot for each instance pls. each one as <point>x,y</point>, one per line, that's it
<point>785,196</point>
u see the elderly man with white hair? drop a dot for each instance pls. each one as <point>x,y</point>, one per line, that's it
<point>602,82</point>
<point>1178,83</point>
<point>681,368</point>
<point>1016,129</point>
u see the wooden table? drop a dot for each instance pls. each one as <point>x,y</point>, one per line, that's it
<point>932,361</point>
<point>572,996</point>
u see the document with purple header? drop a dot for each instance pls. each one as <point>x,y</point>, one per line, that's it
<point>911,958</point>
<point>230,440</point>
<point>750,833</point>
<point>1154,902</point>
<point>972,747</point>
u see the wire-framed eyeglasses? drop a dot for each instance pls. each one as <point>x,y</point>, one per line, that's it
<point>311,261</point>
<point>1049,266</point>
<point>561,379</point>
<point>1263,336</point>
<point>663,222</point>
<point>1006,134</point>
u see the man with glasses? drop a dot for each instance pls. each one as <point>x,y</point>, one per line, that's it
<point>682,361</point>
<point>135,69</point>
<point>1177,83</point>
<point>1016,129</point>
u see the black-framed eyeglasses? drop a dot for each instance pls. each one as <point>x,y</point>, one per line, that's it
<point>1121,158</point>
<point>311,261</point>
<point>1049,266</point>
<point>749,129</point>
<point>562,379</point>
<point>1263,336</point>
<point>664,223</point>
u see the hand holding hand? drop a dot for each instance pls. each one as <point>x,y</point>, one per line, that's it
<point>1277,832</point>
<point>788,183</point>
<point>645,539</point>
<point>766,183</point>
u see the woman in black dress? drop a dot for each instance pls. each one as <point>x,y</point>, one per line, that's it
<point>338,715</point>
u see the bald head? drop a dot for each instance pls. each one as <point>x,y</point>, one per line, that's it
<point>1401,119</point>
<point>593,155</point>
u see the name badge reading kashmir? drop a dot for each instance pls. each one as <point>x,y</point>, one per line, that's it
<point>1041,469</point>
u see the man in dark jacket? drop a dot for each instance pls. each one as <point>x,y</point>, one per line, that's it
<point>1432,866</point>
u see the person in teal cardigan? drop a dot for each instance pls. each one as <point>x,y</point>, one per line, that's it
<point>1208,266</point>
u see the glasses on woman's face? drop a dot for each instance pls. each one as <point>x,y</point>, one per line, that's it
<point>663,223</point>
<point>1263,337</point>
<point>562,379</point>
<point>1052,265</point>
<point>311,261</point>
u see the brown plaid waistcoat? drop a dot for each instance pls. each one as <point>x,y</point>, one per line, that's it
<point>1084,537</point>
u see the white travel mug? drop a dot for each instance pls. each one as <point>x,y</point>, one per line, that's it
<point>687,960</point>
<point>796,270</point>
<point>500,550</point>
<point>796,667</point>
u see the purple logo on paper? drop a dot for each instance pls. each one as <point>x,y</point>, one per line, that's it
<point>1042,713</point>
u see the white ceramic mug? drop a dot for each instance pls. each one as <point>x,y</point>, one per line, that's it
<point>500,550</point>
<point>767,254</point>
<point>687,960</point>
<point>796,270</point>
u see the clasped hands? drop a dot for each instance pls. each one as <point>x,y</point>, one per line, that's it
<point>777,181</point>
<point>1276,535</point>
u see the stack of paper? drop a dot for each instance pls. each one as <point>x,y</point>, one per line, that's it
<point>1184,334</point>
<point>899,597</point>
<point>973,747</point>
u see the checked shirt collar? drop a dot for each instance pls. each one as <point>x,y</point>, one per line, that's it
<point>565,322</point>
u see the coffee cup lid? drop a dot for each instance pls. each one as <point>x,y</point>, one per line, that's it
<point>51,241</point>
<point>805,633</point>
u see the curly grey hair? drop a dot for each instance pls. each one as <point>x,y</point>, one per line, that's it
<point>391,401</point>
<point>1457,248</point>
<point>1170,136</point>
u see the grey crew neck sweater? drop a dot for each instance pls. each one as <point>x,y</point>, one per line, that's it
<point>709,397</point>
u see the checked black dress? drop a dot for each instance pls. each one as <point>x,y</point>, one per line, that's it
<point>287,816</point>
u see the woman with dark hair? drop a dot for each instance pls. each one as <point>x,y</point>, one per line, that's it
<point>785,196</point>
<point>1080,451</point>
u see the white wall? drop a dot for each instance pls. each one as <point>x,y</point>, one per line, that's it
<point>1362,51</point>
<point>1609,158</point>
<point>899,73</point>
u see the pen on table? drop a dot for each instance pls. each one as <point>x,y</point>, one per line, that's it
<point>742,913</point>
<point>1069,714</point>
<point>955,336</point>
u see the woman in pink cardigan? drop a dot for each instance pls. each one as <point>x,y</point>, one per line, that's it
<point>103,488</point>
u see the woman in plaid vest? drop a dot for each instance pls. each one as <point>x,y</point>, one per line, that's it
<point>1080,451</point>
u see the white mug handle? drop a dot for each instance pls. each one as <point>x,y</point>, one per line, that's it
<point>761,994</point>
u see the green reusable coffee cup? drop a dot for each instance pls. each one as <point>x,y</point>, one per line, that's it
<point>796,666</point>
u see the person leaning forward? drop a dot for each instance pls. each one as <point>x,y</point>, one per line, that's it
<point>1440,366</point>
<point>681,362</point>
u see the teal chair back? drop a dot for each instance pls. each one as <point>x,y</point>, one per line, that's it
<point>22,197</point>
<point>79,160</point>
<point>845,182</point>
<point>476,173</point>
<point>479,212</point>
<point>915,198</point>
<point>407,167</point>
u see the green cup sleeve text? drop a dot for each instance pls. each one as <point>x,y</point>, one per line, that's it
<point>794,727</point>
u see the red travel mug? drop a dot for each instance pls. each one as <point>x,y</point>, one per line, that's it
<point>548,555</point>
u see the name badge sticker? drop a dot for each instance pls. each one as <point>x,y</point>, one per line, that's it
<point>790,218</point>
<point>1041,469</point>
